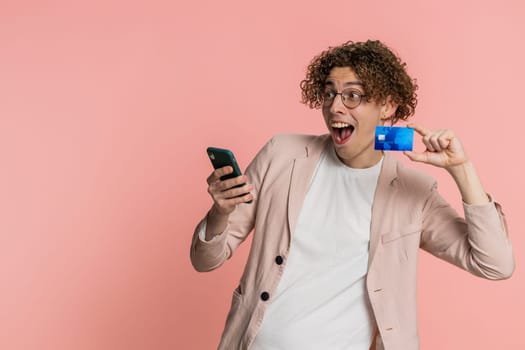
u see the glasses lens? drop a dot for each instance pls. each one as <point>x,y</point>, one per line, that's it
<point>328,96</point>
<point>351,98</point>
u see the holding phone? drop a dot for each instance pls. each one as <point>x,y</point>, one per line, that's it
<point>221,157</point>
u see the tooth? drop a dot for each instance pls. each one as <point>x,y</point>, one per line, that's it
<point>339,125</point>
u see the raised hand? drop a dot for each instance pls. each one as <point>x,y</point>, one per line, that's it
<point>443,148</point>
<point>225,194</point>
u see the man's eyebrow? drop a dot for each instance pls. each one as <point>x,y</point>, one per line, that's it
<point>349,83</point>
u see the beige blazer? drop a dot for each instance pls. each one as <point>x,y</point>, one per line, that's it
<point>408,213</point>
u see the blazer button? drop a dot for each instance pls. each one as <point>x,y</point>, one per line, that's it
<point>265,296</point>
<point>279,260</point>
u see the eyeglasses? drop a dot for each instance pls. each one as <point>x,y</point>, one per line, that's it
<point>351,97</point>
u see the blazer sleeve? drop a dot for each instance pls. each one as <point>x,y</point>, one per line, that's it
<point>209,255</point>
<point>478,243</point>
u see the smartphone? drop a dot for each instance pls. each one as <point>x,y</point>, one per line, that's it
<point>394,138</point>
<point>221,157</point>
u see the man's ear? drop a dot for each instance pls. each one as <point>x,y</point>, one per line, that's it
<point>388,109</point>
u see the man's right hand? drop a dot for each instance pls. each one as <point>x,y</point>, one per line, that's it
<point>224,193</point>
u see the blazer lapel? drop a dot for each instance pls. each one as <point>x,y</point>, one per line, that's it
<point>380,207</point>
<point>302,171</point>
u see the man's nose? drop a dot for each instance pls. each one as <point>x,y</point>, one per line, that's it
<point>337,106</point>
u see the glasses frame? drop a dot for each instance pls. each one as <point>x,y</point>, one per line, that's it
<point>325,103</point>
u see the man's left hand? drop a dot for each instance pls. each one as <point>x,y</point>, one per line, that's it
<point>443,148</point>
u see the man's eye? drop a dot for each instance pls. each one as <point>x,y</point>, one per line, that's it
<point>329,94</point>
<point>353,95</point>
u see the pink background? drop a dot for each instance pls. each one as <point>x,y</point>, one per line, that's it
<point>106,110</point>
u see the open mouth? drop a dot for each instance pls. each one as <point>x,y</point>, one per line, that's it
<point>341,131</point>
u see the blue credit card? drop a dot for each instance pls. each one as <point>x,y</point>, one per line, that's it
<point>394,138</point>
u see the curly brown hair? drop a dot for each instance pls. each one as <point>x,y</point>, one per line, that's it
<point>383,74</point>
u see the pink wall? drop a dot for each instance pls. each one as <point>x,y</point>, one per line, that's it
<point>106,110</point>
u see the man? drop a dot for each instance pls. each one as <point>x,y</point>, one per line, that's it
<point>337,224</point>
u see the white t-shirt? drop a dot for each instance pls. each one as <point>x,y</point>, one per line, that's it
<point>321,300</point>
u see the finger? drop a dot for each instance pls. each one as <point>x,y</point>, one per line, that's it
<point>417,157</point>
<point>218,190</point>
<point>434,141</point>
<point>247,197</point>
<point>420,129</point>
<point>444,139</point>
<point>243,199</point>
<point>427,143</point>
<point>230,203</point>
<point>228,184</point>
<point>211,178</point>
<point>225,170</point>
<point>237,191</point>
<point>218,173</point>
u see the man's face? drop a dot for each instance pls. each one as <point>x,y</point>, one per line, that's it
<point>352,130</point>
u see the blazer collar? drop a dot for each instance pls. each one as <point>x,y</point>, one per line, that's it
<point>302,170</point>
<point>385,190</point>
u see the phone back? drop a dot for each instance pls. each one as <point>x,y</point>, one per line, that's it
<point>221,157</point>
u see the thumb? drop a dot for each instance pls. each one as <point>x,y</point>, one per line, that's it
<point>416,157</point>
